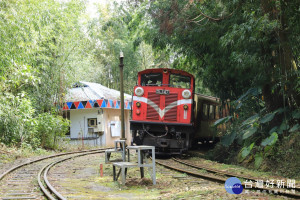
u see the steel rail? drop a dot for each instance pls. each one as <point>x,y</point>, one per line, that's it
<point>223,180</point>
<point>46,169</point>
<point>221,172</point>
<point>40,159</point>
<point>44,190</point>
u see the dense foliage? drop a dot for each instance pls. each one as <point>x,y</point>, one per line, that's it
<point>110,33</point>
<point>246,52</point>
<point>47,46</point>
<point>35,38</point>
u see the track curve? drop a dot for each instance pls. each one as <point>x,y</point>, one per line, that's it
<point>19,182</point>
<point>44,171</point>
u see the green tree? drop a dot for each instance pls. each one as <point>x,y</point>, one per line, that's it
<point>37,40</point>
<point>110,34</point>
<point>232,45</point>
<point>246,51</point>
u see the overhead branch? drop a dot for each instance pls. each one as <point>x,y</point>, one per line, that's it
<point>215,19</point>
<point>211,18</point>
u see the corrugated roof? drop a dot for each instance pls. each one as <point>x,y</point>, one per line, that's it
<point>93,91</point>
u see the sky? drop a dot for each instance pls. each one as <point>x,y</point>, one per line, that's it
<point>92,9</point>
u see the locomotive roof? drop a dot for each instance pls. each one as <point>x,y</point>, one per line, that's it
<point>157,70</point>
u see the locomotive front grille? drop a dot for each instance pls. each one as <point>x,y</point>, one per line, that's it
<point>151,112</point>
<point>171,102</point>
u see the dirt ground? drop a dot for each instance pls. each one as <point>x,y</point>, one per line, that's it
<point>79,178</point>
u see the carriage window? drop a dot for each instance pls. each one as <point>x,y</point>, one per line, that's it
<point>211,112</point>
<point>151,79</point>
<point>180,81</point>
<point>217,116</point>
<point>205,110</point>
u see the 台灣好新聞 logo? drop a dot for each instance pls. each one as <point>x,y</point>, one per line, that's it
<point>233,186</point>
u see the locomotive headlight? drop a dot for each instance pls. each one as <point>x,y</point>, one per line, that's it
<point>186,94</point>
<point>138,112</point>
<point>138,104</point>
<point>185,107</point>
<point>139,91</point>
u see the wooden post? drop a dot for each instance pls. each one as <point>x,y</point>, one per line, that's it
<point>122,97</point>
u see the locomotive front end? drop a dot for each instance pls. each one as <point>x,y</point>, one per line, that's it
<point>162,110</point>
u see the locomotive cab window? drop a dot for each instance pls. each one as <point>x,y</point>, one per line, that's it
<point>180,81</point>
<point>154,79</point>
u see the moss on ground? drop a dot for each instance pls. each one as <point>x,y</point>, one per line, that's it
<point>83,181</point>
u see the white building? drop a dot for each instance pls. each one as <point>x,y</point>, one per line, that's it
<point>94,111</point>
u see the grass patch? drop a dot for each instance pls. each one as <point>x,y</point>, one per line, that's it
<point>10,154</point>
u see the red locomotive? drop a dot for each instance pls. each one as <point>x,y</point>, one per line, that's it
<point>166,112</point>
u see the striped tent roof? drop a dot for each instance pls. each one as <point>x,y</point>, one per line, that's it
<point>93,95</point>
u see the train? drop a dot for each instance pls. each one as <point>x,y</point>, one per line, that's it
<point>168,114</point>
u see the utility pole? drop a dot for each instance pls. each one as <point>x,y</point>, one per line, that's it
<point>122,97</point>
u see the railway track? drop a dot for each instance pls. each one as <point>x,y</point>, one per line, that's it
<point>219,176</point>
<point>19,182</point>
<point>228,174</point>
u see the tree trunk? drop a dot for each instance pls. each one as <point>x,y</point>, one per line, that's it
<point>284,59</point>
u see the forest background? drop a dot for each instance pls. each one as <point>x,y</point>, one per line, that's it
<point>245,52</point>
